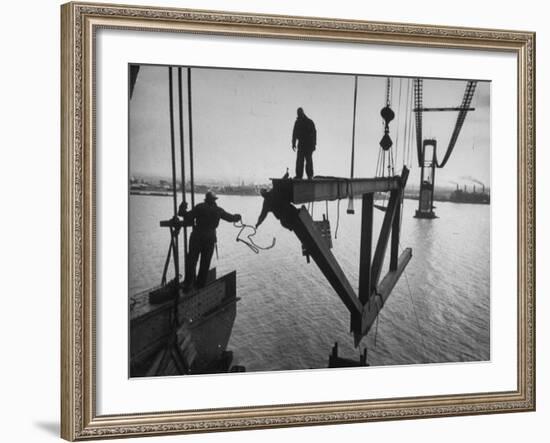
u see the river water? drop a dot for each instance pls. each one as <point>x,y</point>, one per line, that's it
<point>289,317</point>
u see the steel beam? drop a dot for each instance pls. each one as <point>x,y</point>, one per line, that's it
<point>395,232</point>
<point>383,239</point>
<point>377,301</point>
<point>365,307</point>
<point>390,224</point>
<point>317,247</point>
<point>365,259</point>
<point>334,188</point>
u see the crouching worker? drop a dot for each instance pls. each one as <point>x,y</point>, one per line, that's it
<point>279,207</point>
<point>205,218</point>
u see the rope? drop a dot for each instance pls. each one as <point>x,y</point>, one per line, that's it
<point>411,133</point>
<point>250,243</point>
<point>310,208</point>
<point>409,287</point>
<point>182,156</point>
<point>406,128</point>
<point>190,117</point>
<point>398,124</point>
<point>391,163</point>
<point>411,129</point>
<point>173,232</point>
<point>377,172</point>
<point>337,219</point>
<point>353,127</point>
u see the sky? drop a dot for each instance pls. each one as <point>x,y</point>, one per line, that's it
<point>243,120</point>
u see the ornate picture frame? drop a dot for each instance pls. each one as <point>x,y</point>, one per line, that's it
<point>80,23</point>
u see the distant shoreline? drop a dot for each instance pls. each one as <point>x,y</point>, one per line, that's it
<point>439,198</point>
<point>169,193</point>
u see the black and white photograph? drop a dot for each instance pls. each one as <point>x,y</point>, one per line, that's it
<point>283,221</point>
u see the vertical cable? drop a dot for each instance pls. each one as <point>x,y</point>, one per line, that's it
<point>411,129</point>
<point>182,154</point>
<point>353,128</point>
<point>190,112</point>
<point>172,141</point>
<point>174,238</point>
<point>398,127</point>
<point>406,128</point>
<point>350,209</point>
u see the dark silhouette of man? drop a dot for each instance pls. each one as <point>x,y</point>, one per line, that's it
<point>205,218</point>
<point>281,209</point>
<point>304,132</point>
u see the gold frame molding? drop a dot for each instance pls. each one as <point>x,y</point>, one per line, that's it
<point>79,22</point>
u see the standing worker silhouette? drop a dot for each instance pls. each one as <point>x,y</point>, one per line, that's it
<point>304,131</point>
<point>205,218</point>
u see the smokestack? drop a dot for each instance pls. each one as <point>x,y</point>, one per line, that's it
<point>457,186</point>
<point>474,189</point>
<point>483,189</point>
<point>465,190</point>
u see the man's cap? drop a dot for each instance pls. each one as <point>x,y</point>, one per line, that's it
<point>210,196</point>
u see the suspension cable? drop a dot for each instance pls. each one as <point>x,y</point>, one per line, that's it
<point>182,156</point>
<point>353,128</point>
<point>411,128</point>
<point>172,141</point>
<point>419,328</point>
<point>190,116</point>
<point>391,163</point>
<point>337,220</point>
<point>173,231</point>
<point>406,128</point>
<point>398,126</point>
<point>377,172</point>
<point>350,202</point>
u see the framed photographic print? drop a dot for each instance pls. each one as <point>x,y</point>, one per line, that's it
<point>282,221</point>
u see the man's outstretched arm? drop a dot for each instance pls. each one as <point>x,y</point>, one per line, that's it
<point>229,217</point>
<point>263,214</point>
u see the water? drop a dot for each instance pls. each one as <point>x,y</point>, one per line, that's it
<point>289,317</point>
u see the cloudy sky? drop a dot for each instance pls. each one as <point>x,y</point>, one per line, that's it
<point>243,120</point>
